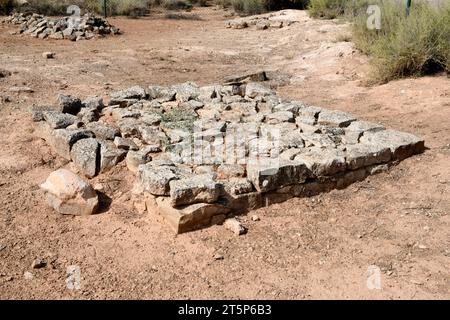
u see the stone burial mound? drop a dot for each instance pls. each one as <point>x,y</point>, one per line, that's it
<point>202,153</point>
<point>262,22</point>
<point>85,27</point>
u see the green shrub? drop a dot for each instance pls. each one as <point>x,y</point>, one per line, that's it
<point>331,9</point>
<point>6,6</point>
<point>406,46</point>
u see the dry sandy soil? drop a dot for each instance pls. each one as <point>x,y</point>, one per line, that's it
<point>313,248</point>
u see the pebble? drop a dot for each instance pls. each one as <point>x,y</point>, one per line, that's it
<point>255,218</point>
<point>218,256</point>
<point>38,264</point>
<point>48,55</point>
<point>235,226</point>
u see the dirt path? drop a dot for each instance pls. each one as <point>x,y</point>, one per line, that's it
<point>305,248</point>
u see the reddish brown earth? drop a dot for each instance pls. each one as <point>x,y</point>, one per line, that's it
<point>302,249</point>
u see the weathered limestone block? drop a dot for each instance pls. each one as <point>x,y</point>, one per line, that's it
<point>197,189</point>
<point>318,140</point>
<point>364,154</point>
<point>125,144</point>
<point>85,155</point>
<point>103,130</point>
<point>186,91</point>
<point>156,179</point>
<point>364,126</point>
<point>255,76</point>
<point>402,145</point>
<point>280,117</point>
<point>62,140</point>
<point>323,161</point>
<point>236,186</point>
<point>58,120</point>
<point>267,175</point>
<point>161,94</point>
<point>135,92</point>
<point>110,156</point>
<point>188,218</point>
<point>226,171</point>
<point>67,193</point>
<point>135,158</point>
<point>153,135</point>
<point>336,118</point>
<point>94,103</point>
<point>254,89</point>
<point>288,106</point>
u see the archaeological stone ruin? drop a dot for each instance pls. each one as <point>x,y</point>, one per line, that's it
<point>73,28</point>
<point>200,154</point>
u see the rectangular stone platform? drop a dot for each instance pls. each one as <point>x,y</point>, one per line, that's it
<point>200,153</point>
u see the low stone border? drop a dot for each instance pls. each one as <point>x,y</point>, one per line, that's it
<point>200,153</point>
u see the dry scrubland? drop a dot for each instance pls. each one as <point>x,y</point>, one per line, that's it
<point>318,247</point>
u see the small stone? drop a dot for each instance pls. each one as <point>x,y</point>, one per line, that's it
<point>255,218</point>
<point>218,256</point>
<point>38,264</point>
<point>48,55</point>
<point>28,275</point>
<point>234,226</point>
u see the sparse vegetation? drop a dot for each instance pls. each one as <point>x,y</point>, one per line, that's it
<point>404,46</point>
<point>249,7</point>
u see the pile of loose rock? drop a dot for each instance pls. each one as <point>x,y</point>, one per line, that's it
<point>73,28</point>
<point>260,23</point>
<point>199,153</point>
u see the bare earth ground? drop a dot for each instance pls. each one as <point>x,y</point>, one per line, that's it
<point>302,249</point>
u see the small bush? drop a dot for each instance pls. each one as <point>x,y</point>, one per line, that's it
<point>6,6</point>
<point>406,46</point>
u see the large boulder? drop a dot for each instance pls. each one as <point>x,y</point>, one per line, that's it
<point>67,193</point>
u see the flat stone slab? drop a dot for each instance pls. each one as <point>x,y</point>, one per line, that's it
<point>199,153</point>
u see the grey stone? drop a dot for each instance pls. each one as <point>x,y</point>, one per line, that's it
<point>267,175</point>
<point>109,155</point>
<point>62,140</point>
<point>225,171</point>
<point>156,179</point>
<point>85,154</point>
<point>237,186</point>
<point>69,104</point>
<point>279,117</point>
<point>58,120</point>
<point>254,89</point>
<point>135,158</point>
<point>186,91</point>
<point>197,189</point>
<point>323,161</point>
<point>161,94</point>
<point>135,92</point>
<point>337,118</point>
<point>402,144</point>
<point>103,130</point>
<point>363,155</point>
<point>364,126</point>
<point>125,144</point>
<point>94,103</point>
